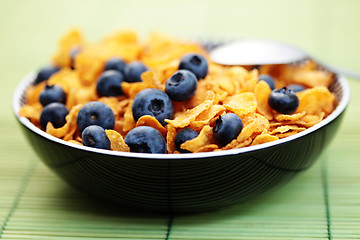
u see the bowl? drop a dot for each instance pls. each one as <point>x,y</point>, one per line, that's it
<point>178,183</point>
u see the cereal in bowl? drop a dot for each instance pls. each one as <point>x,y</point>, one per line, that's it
<point>166,91</point>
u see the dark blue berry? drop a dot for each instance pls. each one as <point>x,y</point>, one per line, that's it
<point>109,84</point>
<point>145,140</point>
<point>95,113</point>
<point>181,85</point>
<point>95,136</point>
<point>195,63</point>
<point>283,101</point>
<point>227,128</point>
<point>73,53</point>
<point>52,94</point>
<point>54,113</point>
<point>183,136</point>
<point>153,102</point>
<point>45,73</point>
<point>134,70</point>
<point>296,87</point>
<point>268,79</point>
<point>116,64</point>
<point>255,67</point>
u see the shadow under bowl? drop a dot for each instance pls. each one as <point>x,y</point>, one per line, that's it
<point>183,182</point>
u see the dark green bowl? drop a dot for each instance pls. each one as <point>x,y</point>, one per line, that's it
<point>183,182</point>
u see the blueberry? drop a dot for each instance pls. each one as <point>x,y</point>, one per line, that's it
<point>95,136</point>
<point>153,102</point>
<point>257,67</point>
<point>227,128</point>
<point>54,113</point>
<point>116,64</point>
<point>145,140</point>
<point>283,101</point>
<point>194,63</point>
<point>296,87</point>
<point>183,136</point>
<point>52,94</point>
<point>73,53</point>
<point>109,84</point>
<point>181,85</point>
<point>268,79</point>
<point>45,73</point>
<point>133,71</point>
<point>95,113</point>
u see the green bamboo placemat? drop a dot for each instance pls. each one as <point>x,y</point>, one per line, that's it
<point>36,204</point>
<point>321,203</point>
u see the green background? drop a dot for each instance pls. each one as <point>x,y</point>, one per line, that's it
<point>322,203</point>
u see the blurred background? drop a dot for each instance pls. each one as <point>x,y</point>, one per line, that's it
<point>30,29</point>
<point>327,29</point>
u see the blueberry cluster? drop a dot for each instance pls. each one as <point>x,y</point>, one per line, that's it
<point>181,86</point>
<point>52,98</point>
<point>282,100</point>
<point>92,120</point>
<point>95,117</point>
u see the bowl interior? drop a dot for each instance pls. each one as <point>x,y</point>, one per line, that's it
<point>339,86</point>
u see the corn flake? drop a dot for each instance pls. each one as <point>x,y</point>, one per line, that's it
<point>129,122</point>
<point>289,117</point>
<point>67,131</point>
<point>31,112</point>
<point>170,138</point>
<point>264,138</point>
<point>32,94</point>
<point>151,121</point>
<point>75,142</point>
<point>241,104</point>
<point>73,38</point>
<point>262,92</point>
<point>205,137</point>
<point>206,116</point>
<point>286,128</point>
<point>308,120</point>
<point>316,100</point>
<point>117,141</point>
<point>190,115</point>
<point>208,148</point>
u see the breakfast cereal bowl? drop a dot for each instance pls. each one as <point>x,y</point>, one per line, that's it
<point>183,182</point>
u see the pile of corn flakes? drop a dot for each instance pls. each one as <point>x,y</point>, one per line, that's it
<point>226,89</point>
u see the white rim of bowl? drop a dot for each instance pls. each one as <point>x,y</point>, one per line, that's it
<point>28,79</point>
